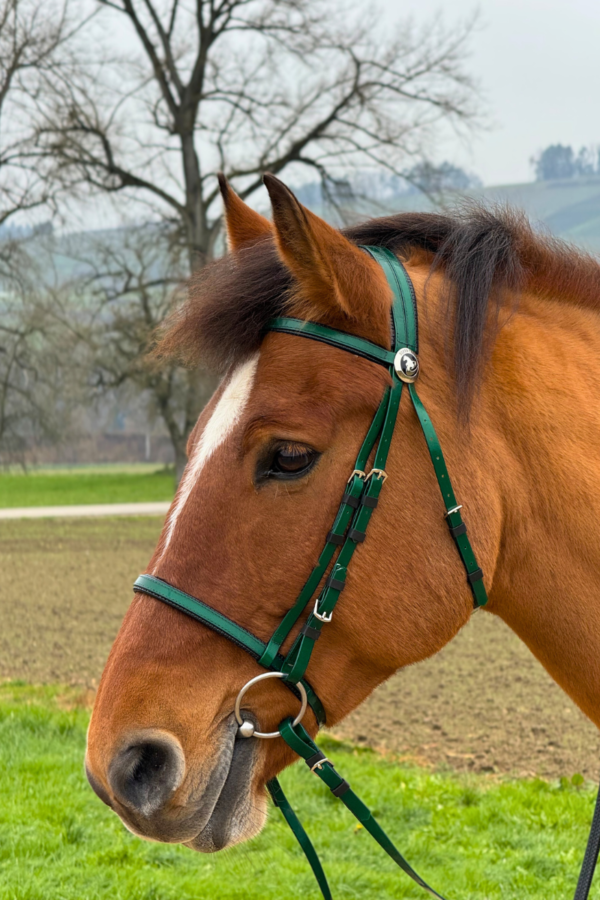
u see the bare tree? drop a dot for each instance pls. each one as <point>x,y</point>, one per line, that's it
<point>164,94</point>
<point>39,367</point>
<point>246,86</point>
<point>124,286</point>
<point>34,36</point>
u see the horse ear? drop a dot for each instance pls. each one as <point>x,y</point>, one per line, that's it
<point>244,224</point>
<point>337,278</point>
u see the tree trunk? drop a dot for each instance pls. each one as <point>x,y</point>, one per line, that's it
<point>180,460</point>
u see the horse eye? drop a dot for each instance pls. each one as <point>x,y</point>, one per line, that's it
<point>292,460</point>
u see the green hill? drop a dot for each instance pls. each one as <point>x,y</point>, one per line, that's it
<point>569,209</point>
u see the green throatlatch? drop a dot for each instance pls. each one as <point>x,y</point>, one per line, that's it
<point>328,578</point>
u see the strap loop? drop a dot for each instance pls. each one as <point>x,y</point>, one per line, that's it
<point>458,530</point>
<point>472,577</point>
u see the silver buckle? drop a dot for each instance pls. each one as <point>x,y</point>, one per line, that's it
<point>321,763</point>
<point>322,618</point>
<point>453,510</point>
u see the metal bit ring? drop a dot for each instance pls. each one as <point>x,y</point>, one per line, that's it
<point>247,727</point>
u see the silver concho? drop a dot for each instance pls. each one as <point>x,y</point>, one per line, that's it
<point>406,364</point>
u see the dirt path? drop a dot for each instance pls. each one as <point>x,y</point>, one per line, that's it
<point>90,510</point>
<point>483,704</point>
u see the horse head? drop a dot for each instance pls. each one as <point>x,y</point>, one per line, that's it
<point>269,459</point>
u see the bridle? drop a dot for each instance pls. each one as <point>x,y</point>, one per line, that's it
<point>349,529</point>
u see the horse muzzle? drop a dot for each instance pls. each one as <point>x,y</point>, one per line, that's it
<point>159,796</point>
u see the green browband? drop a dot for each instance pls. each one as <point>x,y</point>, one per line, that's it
<point>328,578</point>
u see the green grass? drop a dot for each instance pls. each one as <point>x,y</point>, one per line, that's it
<point>472,837</point>
<point>74,487</point>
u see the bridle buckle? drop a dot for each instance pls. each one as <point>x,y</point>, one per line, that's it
<point>377,473</point>
<point>321,617</point>
<point>454,509</point>
<point>362,475</point>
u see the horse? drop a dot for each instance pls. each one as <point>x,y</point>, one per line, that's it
<point>510,375</point>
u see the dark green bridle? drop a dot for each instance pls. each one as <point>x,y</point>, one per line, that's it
<point>349,529</point>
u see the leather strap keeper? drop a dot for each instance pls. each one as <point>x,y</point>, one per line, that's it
<point>458,530</point>
<point>335,583</point>
<point>340,789</point>
<point>477,575</point>
<point>313,633</point>
<point>369,502</point>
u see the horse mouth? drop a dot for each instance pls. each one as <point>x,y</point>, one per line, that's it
<point>238,812</point>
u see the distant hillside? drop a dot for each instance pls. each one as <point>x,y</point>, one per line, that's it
<point>569,209</point>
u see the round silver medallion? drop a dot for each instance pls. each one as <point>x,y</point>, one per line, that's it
<point>406,364</point>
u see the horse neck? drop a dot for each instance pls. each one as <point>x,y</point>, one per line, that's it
<point>538,410</point>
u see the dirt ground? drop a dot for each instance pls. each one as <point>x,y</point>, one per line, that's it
<point>482,704</point>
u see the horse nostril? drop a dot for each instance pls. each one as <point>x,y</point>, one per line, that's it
<point>147,771</point>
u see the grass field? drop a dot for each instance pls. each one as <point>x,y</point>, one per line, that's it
<point>471,836</point>
<point>75,487</point>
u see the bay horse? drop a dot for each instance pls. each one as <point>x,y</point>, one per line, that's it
<point>510,374</point>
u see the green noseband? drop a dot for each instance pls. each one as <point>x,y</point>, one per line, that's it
<point>328,578</point>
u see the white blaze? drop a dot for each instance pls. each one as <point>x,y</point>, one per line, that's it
<point>225,416</point>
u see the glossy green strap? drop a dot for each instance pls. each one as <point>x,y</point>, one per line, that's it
<point>156,587</point>
<point>160,590</point>
<point>340,339</point>
<point>458,529</point>
<point>404,304</point>
<point>300,653</point>
<point>297,829</point>
<point>345,511</point>
<point>301,743</point>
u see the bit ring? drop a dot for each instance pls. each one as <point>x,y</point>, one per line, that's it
<point>247,727</point>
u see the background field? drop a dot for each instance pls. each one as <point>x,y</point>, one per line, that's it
<point>483,704</point>
<point>472,836</point>
<point>67,487</point>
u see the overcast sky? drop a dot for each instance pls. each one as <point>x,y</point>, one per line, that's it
<point>538,63</point>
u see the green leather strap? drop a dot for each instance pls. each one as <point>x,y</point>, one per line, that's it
<point>340,339</point>
<point>404,305</point>
<point>453,516</point>
<point>160,590</point>
<point>344,514</point>
<point>345,511</point>
<point>301,743</point>
<point>281,802</point>
<point>300,653</point>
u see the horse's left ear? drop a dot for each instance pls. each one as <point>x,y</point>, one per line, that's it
<point>337,279</point>
<point>244,224</point>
